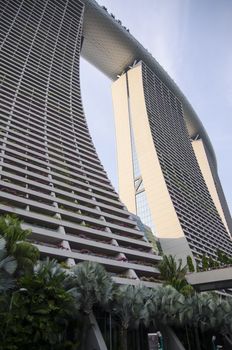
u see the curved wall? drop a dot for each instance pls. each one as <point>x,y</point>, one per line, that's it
<point>50,173</point>
<point>112,49</point>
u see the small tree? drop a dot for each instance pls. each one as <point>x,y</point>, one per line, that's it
<point>223,258</point>
<point>171,269</point>
<point>202,312</point>
<point>91,285</point>
<point>173,273</point>
<point>128,305</point>
<point>24,252</point>
<point>211,263</point>
<point>8,266</point>
<point>191,267</point>
<point>163,307</point>
<point>205,263</point>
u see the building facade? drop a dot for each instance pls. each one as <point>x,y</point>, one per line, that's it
<point>164,174</point>
<point>50,174</point>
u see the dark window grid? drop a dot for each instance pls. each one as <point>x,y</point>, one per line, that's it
<point>23,145</point>
<point>72,166</point>
<point>32,132</point>
<point>78,136</point>
<point>29,80</point>
<point>61,129</point>
<point>26,151</point>
<point>27,126</point>
<point>11,83</point>
<point>17,137</point>
<point>55,145</point>
<point>21,163</point>
<point>68,188</point>
<point>8,7</point>
<point>25,158</point>
<point>93,179</point>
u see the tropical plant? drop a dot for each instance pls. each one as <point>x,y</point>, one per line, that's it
<point>170,269</point>
<point>226,315</point>
<point>203,312</point>
<point>205,262</point>
<point>212,263</point>
<point>223,258</point>
<point>128,303</point>
<point>39,311</point>
<point>173,274</point>
<point>8,266</point>
<point>91,285</point>
<point>163,307</point>
<point>25,253</point>
<point>191,267</point>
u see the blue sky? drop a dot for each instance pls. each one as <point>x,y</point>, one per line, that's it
<point>192,40</point>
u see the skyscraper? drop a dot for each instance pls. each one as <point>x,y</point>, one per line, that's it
<point>50,174</point>
<point>166,175</point>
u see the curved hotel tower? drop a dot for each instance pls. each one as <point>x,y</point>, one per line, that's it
<point>50,174</point>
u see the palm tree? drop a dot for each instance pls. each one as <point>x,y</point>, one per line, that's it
<point>163,307</point>
<point>25,253</point>
<point>8,266</point>
<point>170,269</point>
<point>203,312</point>
<point>173,273</point>
<point>91,285</point>
<point>227,315</point>
<point>128,306</point>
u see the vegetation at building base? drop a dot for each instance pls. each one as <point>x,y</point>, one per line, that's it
<point>207,263</point>
<point>190,264</point>
<point>45,306</point>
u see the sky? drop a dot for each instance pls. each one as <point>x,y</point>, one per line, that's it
<point>192,40</point>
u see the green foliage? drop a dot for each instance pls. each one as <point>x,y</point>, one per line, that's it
<point>47,305</point>
<point>11,230</point>
<point>205,263</point>
<point>223,258</point>
<point>220,255</point>
<point>128,304</point>
<point>24,252</point>
<point>8,266</point>
<point>212,263</point>
<point>163,306</point>
<point>191,267</point>
<point>170,269</point>
<point>187,290</point>
<point>64,265</point>
<point>204,311</point>
<point>39,311</point>
<point>91,285</point>
<point>128,308</point>
<point>173,273</point>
